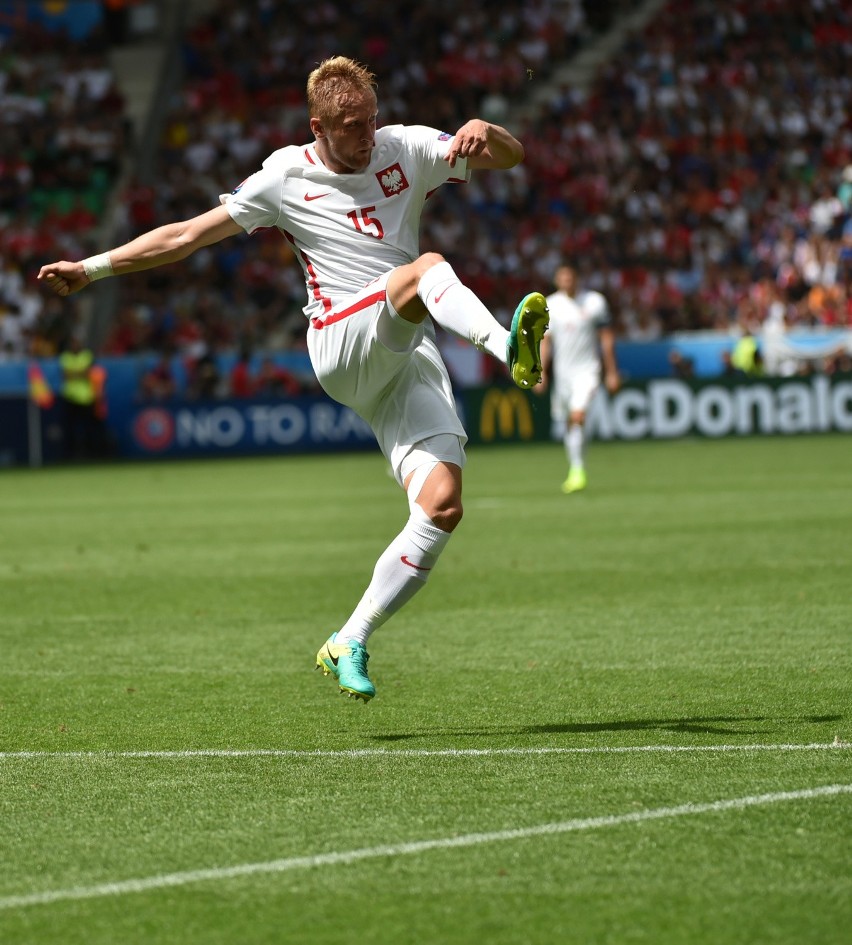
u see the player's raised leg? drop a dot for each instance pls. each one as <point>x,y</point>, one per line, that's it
<point>431,284</point>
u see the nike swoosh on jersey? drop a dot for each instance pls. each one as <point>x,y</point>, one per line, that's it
<point>411,564</point>
<point>316,196</point>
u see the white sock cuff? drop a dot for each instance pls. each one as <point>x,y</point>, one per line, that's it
<point>424,533</point>
<point>436,275</point>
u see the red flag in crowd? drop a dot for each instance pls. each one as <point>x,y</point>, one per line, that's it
<point>40,391</point>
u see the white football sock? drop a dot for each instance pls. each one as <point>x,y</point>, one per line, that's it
<point>400,572</point>
<point>455,307</point>
<point>574,441</point>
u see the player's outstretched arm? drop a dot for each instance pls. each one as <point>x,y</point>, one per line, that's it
<point>166,244</point>
<point>485,145</point>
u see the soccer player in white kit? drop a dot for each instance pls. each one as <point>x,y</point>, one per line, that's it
<point>350,204</point>
<point>579,343</point>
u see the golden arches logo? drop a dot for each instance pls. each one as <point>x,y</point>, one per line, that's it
<point>505,412</point>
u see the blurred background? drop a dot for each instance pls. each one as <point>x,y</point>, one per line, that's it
<point>692,158</point>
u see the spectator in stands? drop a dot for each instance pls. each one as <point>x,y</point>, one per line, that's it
<point>126,336</point>
<point>683,367</point>
<point>839,363</point>
<point>83,428</point>
<point>825,211</point>
<point>844,190</point>
<point>117,15</point>
<point>158,382</point>
<point>747,357</point>
<point>242,384</point>
<point>276,381</point>
<point>203,377</point>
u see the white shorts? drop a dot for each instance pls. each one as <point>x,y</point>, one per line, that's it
<point>574,393</point>
<point>389,372</point>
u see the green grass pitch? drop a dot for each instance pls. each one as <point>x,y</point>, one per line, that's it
<point>557,712</point>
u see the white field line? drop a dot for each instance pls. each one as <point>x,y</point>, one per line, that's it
<point>344,857</point>
<point>408,752</point>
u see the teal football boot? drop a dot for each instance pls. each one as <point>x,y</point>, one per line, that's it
<point>348,663</point>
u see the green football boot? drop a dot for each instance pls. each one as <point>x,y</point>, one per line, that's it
<point>576,480</point>
<point>348,662</point>
<point>523,347</point>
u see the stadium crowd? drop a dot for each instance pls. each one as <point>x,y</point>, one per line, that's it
<point>707,176</point>
<point>63,137</point>
<point>703,181</point>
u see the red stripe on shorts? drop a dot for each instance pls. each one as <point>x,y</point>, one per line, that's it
<point>358,306</point>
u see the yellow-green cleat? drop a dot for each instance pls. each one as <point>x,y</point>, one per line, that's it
<point>523,347</point>
<point>576,480</point>
<point>348,663</point>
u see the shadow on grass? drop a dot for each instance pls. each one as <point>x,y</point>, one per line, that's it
<point>704,725</point>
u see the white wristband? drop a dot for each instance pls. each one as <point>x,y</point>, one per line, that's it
<point>98,267</point>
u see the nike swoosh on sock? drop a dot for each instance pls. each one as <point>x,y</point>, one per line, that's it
<point>411,564</point>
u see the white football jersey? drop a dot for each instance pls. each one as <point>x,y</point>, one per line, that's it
<point>348,229</point>
<point>574,324</point>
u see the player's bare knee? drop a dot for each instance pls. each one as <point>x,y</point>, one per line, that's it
<point>443,506</point>
<point>437,488</point>
<point>425,262</point>
<point>447,517</point>
<point>404,283</point>
<point>447,509</point>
